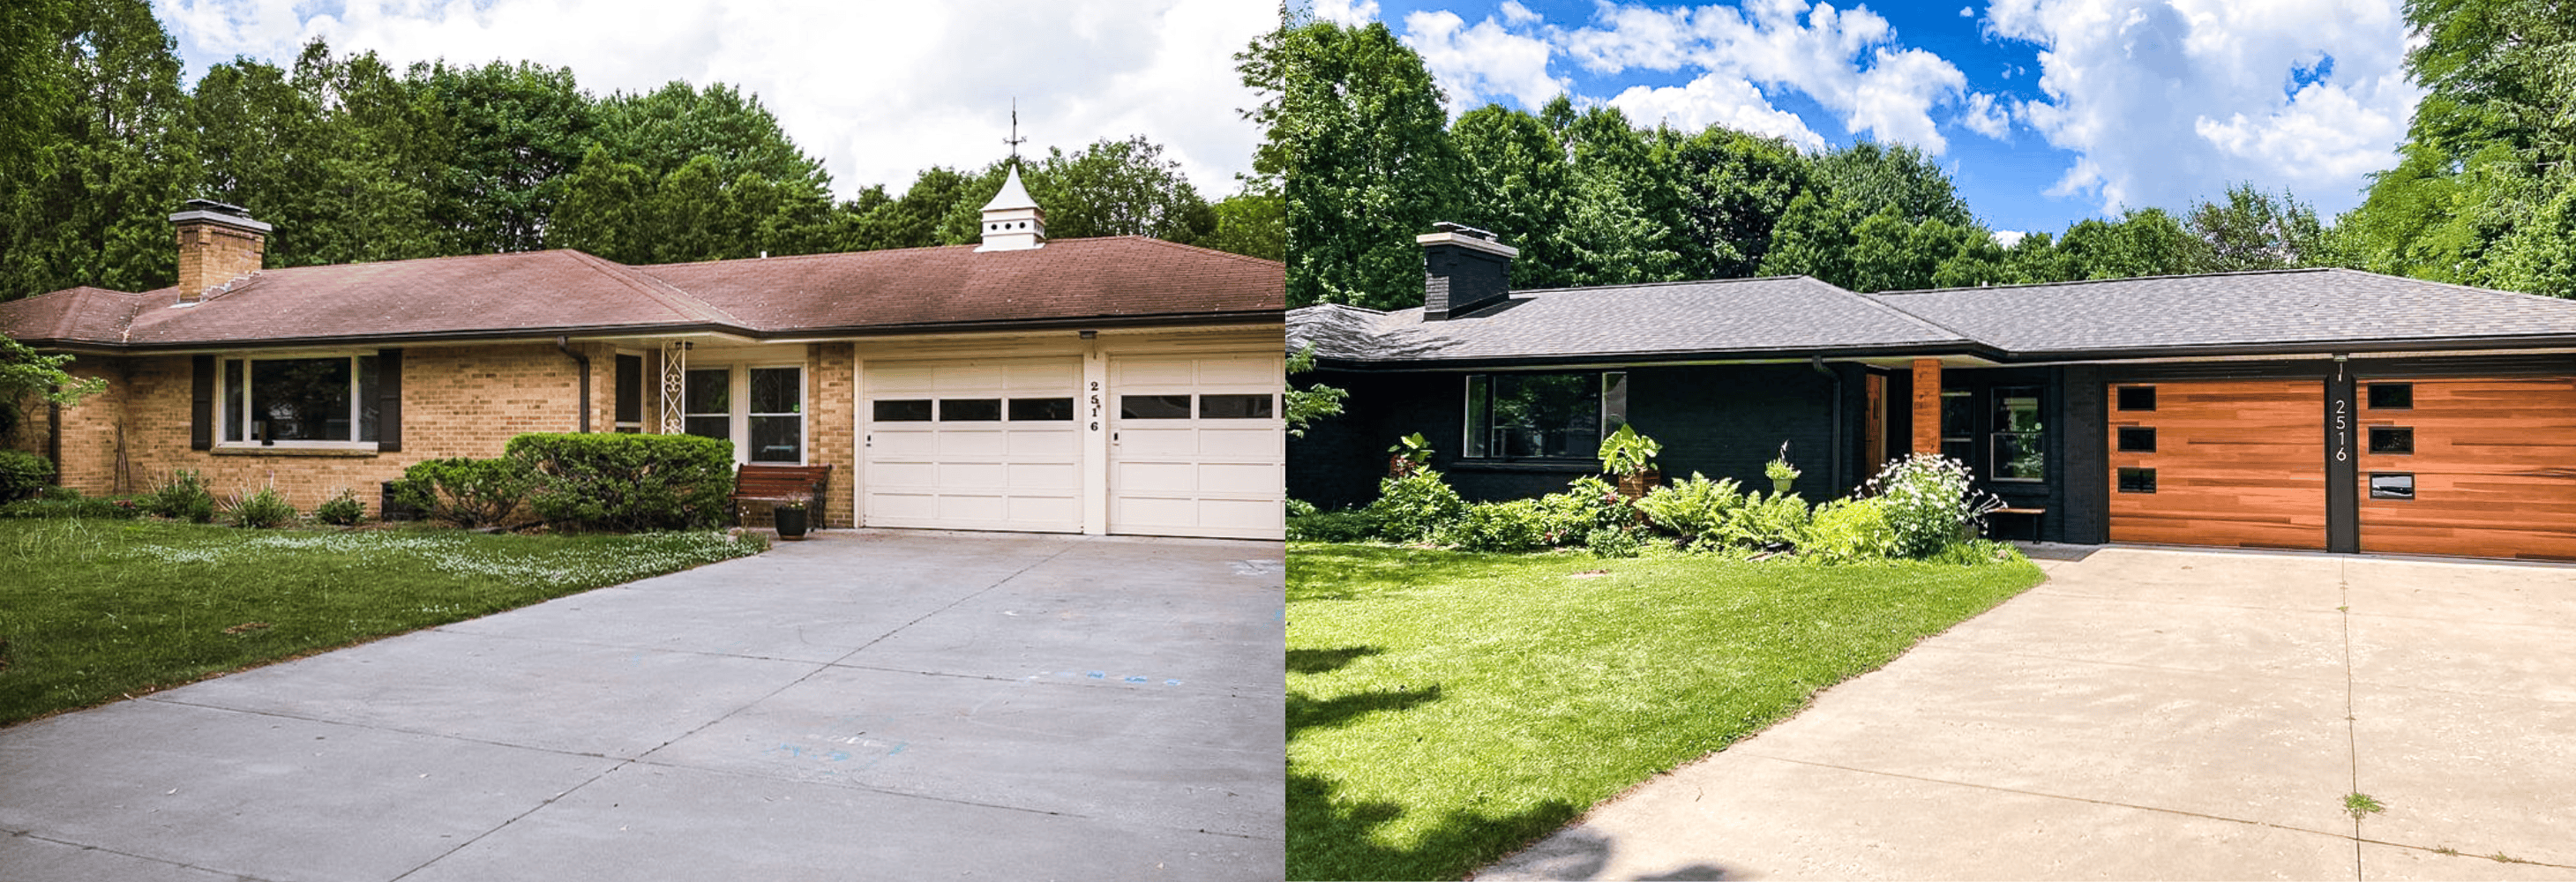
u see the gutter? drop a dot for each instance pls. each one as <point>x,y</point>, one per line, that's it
<point>564,345</point>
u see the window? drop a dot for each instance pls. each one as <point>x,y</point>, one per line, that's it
<point>2137,480</point>
<point>1234,407</point>
<point>2137,439</point>
<point>2392,396</point>
<point>2017,441</point>
<point>322,401</point>
<point>970,410</point>
<point>1042,410</point>
<point>630,393</point>
<point>1153,407</point>
<point>2392,440</point>
<point>1958,424</point>
<point>1543,416</point>
<point>2137,398</point>
<point>908,410</point>
<point>2392,485</point>
<point>760,409</point>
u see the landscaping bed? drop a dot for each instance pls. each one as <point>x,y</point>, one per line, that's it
<point>96,608</point>
<point>1446,708</point>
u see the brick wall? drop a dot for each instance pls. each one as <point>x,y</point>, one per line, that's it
<point>829,423</point>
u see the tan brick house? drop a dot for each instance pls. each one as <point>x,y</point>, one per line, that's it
<point>1111,385</point>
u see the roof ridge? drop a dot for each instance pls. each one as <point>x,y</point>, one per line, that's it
<point>1680,282</point>
<point>2024,285</point>
<point>678,299</point>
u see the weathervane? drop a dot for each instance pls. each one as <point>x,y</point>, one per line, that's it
<point>1015,140</point>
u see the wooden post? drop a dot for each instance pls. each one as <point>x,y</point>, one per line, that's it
<point>1927,405</point>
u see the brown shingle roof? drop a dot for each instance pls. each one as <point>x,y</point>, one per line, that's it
<point>1113,277</point>
<point>547,292</point>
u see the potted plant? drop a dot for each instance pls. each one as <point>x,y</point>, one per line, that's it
<point>1410,454</point>
<point>789,518</point>
<point>1781,473</point>
<point>1631,457</point>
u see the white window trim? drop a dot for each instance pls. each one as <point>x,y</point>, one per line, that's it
<point>230,414</point>
<point>738,417</point>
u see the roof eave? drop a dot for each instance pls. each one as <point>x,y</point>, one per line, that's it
<point>1790,353</point>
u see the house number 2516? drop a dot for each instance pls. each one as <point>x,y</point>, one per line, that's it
<point>2343,430</point>
<point>1095,405</point>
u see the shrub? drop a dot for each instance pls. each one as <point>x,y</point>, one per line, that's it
<point>1351,525</point>
<point>464,491</point>
<point>22,474</point>
<point>1613,542</point>
<point>65,502</point>
<point>258,509</point>
<point>1412,507</point>
<point>1586,504</point>
<point>1298,508</point>
<point>1847,530</point>
<point>183,496</point>
<point>627,483</point>
<point>1776,522</point>
<point>342,510</point>
<point>1697,509</point>
<point>1514,525</point>
<point>1929,503</point>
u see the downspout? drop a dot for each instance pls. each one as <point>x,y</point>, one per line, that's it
<point>564,344</point>
<point>1834,420</point>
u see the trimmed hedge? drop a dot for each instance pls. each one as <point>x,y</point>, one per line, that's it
<point>466,491</point>
<point>627,483</point>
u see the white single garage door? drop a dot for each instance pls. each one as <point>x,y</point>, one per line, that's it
<point>984,444</point>
<point>1199,447</point>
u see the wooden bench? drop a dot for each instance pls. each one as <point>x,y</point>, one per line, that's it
<point>776,484</point>
<point>2036,514</point>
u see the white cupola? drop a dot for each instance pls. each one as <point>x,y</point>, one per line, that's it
<point>1013,221</point>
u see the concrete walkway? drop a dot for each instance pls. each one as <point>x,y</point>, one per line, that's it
<point>2150,714</point>
<point>866,705</point>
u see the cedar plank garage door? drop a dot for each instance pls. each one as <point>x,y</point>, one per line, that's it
<point>2494,467</point>
<point>2236,463</point>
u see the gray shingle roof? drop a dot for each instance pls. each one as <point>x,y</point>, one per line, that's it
<point>2235,311</point>
<point>2218,313</point>
<point>1788,315</point>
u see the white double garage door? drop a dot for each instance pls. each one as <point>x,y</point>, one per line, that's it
<point>1166,446</point>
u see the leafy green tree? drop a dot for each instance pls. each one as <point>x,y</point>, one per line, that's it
<point>1368,164</point>
<point>27,376</point>
<point>510,130</point>
<point>1117,188</point>
<point>1622,203</point>
<point>1517,183</point>
<point>1253,222</point>
<point>96,211</point>
<point>1735,188</point>
<point>33,83</point>
<point>1818,233</point>
<point>2253,231</point>
<point>329,155</point>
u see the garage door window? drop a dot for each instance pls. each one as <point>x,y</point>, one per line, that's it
<point>1048,410</point>
<point>2392,440</point>
<point>2137,480</point>
<point>1154,407</point>
<point>2392,485</point>
<point>970,410</point>
<point>1235,407</point>
<point>2392,396</point>
<point>908,410</point>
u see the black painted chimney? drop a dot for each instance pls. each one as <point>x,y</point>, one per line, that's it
<point>1464,269</point>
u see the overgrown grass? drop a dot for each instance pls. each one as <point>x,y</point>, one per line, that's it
<point>1447,708</point>
<point>94,609</point>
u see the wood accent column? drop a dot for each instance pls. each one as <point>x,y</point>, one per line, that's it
<point>1927,405</point>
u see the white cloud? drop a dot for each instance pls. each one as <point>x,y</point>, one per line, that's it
<point>1475,64</point>
<point>1345,12</point>
<point>1987,116</point>
<point>1517,14</point>
<point>2166,101</point>
<point>2008,238</point>
<point>1846,60</point>
<point>879,90</point>
<point>1715,100</point>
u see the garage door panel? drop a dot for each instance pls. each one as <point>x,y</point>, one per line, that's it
<point>2237,463</point>
<point>1262,441</point>
<point>1199,475</point>
<point>1135,441</point>
<point>2494,463</point>
<point>1150,478</point>
<point>1238,478</point>
<point>987,475</point>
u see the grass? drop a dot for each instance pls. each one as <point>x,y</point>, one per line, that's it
<point>2361,805</point>
<point>91,610</point>
<point>1445,708</point>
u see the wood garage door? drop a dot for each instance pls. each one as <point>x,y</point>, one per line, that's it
<point>2492,467</point>
<point>2234,463</point>
<point>986,444</point>
<point>1199,447</point>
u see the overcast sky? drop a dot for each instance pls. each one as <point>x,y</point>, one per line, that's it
<point>877,90</point>
<point>2045,111</point>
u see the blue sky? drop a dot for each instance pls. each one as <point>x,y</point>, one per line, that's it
<point>2044,111</point>
<point>877,89</point>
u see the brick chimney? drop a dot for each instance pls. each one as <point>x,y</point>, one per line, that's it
<point>218,243</point>
<point>1463,269</point>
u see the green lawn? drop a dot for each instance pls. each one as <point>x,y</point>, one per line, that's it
<point>1445,709</point>
<point>94,609</point>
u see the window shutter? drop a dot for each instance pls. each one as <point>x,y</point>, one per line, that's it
<point>389,400</point>
<point>201,408</point>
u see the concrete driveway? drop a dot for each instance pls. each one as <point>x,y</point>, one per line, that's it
<point>866,705</point>
<point>2151,714</point>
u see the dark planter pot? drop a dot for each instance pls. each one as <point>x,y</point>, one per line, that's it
<point>790,522</point>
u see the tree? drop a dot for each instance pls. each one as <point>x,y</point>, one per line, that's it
<point>509,131</point>
<point>1516,182</point>
<point>1622,201</point>
<point>329,155</point>
<point>1253,222</point>
<point>1312,403</point>
<point>1368,165</point>
<point>1817,234</point>
<point>2252,231</point>
<point>95,212</point>
<point>1735,188</point>
<point>26,374</point>
<point>1116,188</point>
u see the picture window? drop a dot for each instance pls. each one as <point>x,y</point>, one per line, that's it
<point>323,402</point>
<point>1543,416</point>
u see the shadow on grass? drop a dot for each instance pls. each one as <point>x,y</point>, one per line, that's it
<point>1329,841</point>
<point>1307,713</point>
<point>1300,661</point>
